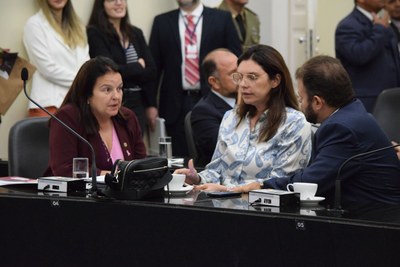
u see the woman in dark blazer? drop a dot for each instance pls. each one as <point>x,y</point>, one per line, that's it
<point>110,34</point>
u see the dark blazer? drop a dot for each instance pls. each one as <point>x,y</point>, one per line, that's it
<point>206,118</point>
<point>64,146</point>
<point>218,32</point>
<point>133,74</point>
<point>348,132</point>
<point>369,53</point>
<point>396,31</point>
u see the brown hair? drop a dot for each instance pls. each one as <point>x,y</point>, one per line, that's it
<point>99,19</point>
<point>324,76</point>
<point>82,89</point>
<point>280,97</point>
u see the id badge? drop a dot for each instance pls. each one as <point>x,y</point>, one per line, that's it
<point>191,51</point>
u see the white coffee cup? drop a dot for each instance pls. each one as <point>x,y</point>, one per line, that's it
<point>306,190</point>
<point>177,181</point>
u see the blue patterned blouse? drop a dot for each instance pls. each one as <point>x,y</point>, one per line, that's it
<point>239,157</point>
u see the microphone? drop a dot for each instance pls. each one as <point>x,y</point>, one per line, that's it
<point>338,196</point>
<point>24,77</point>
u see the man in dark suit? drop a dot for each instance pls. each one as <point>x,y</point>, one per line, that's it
<point>367,47</point>
<point>326,96</point>
<point>207,114</point>
<point>179,40</point>
<point>393,8</point>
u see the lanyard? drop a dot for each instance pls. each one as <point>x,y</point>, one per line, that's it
<point>187,25</point>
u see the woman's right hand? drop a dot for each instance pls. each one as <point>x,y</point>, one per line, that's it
<point>191,174</point>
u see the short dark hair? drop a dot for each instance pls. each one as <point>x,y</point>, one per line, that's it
<point>82,89</point>
<point>209,65</point>
<point>325,76</point>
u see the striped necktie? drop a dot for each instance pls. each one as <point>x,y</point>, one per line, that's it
<point>192,74</point>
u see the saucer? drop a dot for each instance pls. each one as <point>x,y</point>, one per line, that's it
<point>181,191</point>
<point>311,201</point>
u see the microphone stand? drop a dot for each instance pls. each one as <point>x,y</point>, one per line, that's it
<point>93,190</point>
<point>338,197</point>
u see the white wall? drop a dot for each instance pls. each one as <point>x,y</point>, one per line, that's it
<point>328,16</point>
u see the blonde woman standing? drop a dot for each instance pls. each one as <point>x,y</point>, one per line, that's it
<point>56,43</point>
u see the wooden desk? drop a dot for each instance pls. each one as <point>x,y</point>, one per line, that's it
<point>46,230</point>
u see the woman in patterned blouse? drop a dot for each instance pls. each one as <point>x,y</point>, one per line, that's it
<point>265,136</point>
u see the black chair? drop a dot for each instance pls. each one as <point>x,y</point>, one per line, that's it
<point>387,112</point>
<point>189,137</point>
<point>28,147</point>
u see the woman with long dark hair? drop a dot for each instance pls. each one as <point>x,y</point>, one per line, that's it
<point>265,136</point>
<point>111,34</point>
<point>92,107</point>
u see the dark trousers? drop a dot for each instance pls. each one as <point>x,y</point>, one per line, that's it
<point>177,129</point>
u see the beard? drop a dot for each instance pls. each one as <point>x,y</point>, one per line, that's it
<point>310,114</point>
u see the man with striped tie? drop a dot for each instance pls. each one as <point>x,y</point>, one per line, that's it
<point>179,40</point>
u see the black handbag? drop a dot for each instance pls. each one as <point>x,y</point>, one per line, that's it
<point>138,179</point>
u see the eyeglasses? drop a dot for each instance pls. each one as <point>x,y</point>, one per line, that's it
<point>250,78</point>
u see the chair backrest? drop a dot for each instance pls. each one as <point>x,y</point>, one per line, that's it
<point>28,147</point>
<point>189,137</point>
<point>387,112</point>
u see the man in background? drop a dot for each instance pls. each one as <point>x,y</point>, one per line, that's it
<point>179,41</point>
<point>367,47</point>
<point>393,8</point>
<point>246,22</point>
<point>207,114</point>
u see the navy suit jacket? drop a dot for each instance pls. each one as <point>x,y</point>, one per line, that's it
<point>206,118</point>
<point>369,53</point>
<point>348,132</point>
<point>218,31</point>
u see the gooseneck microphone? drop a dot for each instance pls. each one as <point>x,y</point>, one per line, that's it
<point>338,189</point>
<point>24,77</point>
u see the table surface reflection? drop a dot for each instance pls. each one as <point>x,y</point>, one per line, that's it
<point>192,229</point>
<point>380,215</point>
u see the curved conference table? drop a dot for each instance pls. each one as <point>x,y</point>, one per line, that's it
<point>75,229</point>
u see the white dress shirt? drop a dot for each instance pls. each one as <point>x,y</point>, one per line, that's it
<point>198,20</point>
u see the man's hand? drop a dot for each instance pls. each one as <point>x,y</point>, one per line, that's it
<point>384,20</point>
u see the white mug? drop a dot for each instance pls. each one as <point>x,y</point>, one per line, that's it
<point>177,181</point>
<point>306,190</point>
